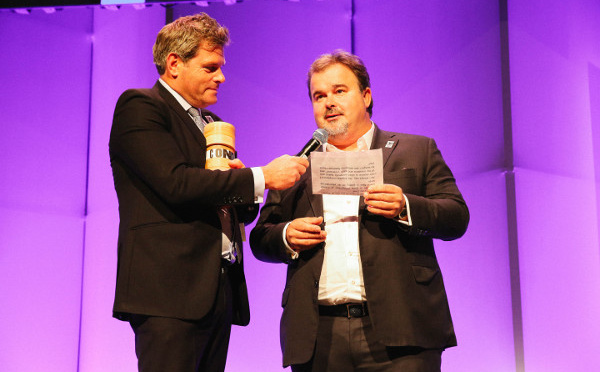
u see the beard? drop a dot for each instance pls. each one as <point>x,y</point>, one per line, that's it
<point>336,127</point>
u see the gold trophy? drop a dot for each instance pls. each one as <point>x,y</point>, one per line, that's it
<point>220,145</point>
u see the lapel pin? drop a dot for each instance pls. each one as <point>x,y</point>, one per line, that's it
<point>389,144</point>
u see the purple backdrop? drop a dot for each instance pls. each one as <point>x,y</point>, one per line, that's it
<point>554,57</point>
<point>45,94</point>
<point>436,70</point>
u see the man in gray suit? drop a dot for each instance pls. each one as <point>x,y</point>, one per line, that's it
<point>364,289</point>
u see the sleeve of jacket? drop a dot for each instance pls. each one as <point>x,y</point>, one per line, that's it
<point>142,139</point>
<point>266,238</point>
<point>440,212</point>
<point>247,213</point>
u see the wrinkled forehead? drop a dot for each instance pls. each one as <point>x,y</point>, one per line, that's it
<point>210,53</point>
<point>332,76</point>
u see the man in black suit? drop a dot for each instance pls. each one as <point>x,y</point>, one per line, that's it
<point>180,280</point>
<point>364,292</point>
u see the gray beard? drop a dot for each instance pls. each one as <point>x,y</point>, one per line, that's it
<point>337,129</point>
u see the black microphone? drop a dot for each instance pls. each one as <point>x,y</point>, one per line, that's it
<point>319,137</point>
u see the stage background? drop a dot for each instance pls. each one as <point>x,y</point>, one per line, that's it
<point>510,90</point>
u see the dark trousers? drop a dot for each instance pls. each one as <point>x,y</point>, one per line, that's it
<point>348,344</point>
<point>176,345</point>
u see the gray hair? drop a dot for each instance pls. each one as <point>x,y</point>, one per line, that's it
<point>183,37</point>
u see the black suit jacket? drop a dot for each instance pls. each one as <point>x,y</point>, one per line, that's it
<point>169,247</point>
<point>403,283</point>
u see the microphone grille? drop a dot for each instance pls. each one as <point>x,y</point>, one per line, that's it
<point>321,135</point>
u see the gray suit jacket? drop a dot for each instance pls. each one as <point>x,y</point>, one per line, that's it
<point>403,283</point>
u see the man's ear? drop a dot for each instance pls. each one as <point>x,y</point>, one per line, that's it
<point>367,96</point>
<point>173,65</point>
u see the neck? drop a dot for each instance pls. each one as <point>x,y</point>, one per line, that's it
<point>351,147</point>
<point>348,141</point>
<point>173,83</point>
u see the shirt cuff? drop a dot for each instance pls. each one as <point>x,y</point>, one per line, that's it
<point>293,254</point>
<point>259,184</point>
<point>408,221</point>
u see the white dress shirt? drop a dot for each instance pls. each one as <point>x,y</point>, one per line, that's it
<point>341,277</point>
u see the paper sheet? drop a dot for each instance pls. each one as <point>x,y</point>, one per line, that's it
<point>345,173</point>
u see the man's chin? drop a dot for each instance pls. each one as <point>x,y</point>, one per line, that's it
<point>335,129</point>
<point>209,101</point>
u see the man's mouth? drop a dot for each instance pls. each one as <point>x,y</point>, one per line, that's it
<point>332,115</point>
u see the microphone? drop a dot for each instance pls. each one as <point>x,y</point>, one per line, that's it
<point>319,137</point>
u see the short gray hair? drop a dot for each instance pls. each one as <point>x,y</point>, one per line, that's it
<point>183,37</point>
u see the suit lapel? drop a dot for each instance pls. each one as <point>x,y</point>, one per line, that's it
<point>208,116</point>
<point>183,116</point>
<point>386,141</point>
<point>315,200</point>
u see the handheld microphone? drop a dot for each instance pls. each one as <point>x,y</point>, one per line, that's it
<point>319,137</point>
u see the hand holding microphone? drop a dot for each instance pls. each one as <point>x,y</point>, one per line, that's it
<point>318,139</point>
<point>286,170</point>
<point>281,173</point>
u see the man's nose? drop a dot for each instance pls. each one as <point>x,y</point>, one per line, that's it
<point>219,77</point>
<point>329,101</point>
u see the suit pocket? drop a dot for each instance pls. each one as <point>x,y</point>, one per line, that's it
<point>401,174</point>
<point>405,178</point>
<point>424,274</point>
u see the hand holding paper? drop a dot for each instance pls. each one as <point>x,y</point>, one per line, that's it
<point>385,200</point>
